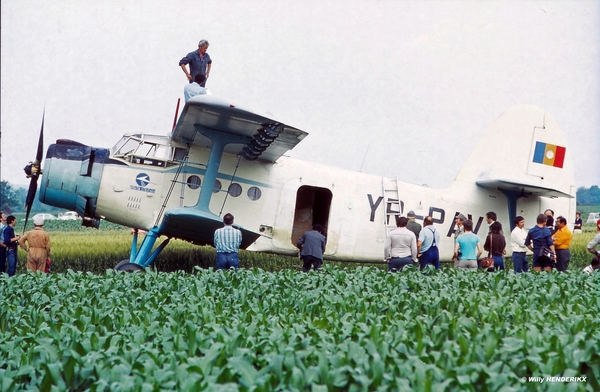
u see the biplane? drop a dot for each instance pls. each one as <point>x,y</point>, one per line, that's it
<point>222,158</point>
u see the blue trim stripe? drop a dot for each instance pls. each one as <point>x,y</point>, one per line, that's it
<point>540,151</point>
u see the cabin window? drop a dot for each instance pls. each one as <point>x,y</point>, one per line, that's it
<point>217,187</point>
<point>254,193</point>
<point>127,147</point>
<point>193,182</point>
<point>312,207</point>
<point>234,190</point>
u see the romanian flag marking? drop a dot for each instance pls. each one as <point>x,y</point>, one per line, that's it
<point>549,154</point>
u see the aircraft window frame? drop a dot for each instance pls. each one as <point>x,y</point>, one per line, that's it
<point>234,189</point>
<point>193,182</point>
<point>127,147</point>
<point>217,187</point>
<point>254,193</point>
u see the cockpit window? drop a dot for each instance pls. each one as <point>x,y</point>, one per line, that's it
<point>144,150</point>
<point>127,148</point>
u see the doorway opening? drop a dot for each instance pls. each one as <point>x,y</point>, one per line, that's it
<point>312,207</point>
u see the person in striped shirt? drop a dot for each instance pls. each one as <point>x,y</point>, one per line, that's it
<point>227,242</point>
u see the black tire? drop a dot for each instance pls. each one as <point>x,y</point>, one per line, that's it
<point>126,266</point>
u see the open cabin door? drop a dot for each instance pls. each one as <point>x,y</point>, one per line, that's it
<point>312,207</point>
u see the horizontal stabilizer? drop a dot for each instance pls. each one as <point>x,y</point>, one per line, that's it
<point>523,189</point>
<point>260,137</point>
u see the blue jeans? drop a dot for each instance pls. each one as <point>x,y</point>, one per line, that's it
<point>11,257</point>
<point>227,260</point>
<point>430,256</point>
<point>520,262</point>
<point>397,263</point>
<point>498,263</point>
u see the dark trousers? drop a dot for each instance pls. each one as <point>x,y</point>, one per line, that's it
<point>2,259</point>
<point>309,261</point>
<point>430,256</point>
<point>226,261</point>
<point>563,256</point>
<point>397,263</point>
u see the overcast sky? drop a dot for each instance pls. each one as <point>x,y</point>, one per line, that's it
<point>396,88</point>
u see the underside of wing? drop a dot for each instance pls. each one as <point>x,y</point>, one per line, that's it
<point>522,188</point>
<point>254,136</point>
<point>198,227</point>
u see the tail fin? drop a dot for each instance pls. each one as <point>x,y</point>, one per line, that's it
<point>524,151</point>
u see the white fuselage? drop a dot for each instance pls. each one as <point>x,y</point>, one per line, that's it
<point>284,199</point>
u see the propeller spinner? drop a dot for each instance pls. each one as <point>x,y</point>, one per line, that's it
<point>33,171</point>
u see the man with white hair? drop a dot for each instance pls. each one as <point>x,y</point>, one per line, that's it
<point>38,246</point>
<point>199,61</point>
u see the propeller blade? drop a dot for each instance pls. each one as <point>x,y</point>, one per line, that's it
<point>40,150</point>
<point>35,171</point>
<point>29,199</point>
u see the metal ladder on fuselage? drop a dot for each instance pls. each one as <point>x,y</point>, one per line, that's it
<point>392,205</point>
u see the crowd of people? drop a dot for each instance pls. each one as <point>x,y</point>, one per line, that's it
<point>548,240</point>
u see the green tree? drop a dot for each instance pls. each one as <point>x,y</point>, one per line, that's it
<point>589,195</point>
<point>9,197</point>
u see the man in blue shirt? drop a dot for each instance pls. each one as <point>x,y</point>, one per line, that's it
<point>538,238</point>
<point>312,246</point>
<point>11,241</point>
<point>199,61</point>
<point>428,251</point>
<point>2,246</point>
<point>227,242</point>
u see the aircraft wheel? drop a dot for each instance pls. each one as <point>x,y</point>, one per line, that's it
<point>126,266</point>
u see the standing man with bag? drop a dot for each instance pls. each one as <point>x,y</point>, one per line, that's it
<point>539,240</point>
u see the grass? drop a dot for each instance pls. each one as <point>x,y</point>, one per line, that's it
<point>84,249</point>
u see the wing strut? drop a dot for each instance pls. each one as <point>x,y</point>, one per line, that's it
<point>231,182</point>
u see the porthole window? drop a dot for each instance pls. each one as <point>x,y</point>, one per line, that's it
<point>254,193</point>
<point>235,190</point>
<point>193,182</point>
<point>217,187</point>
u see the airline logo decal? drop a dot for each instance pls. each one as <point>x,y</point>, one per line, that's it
<point>142,180</point>
<point>549,154</point>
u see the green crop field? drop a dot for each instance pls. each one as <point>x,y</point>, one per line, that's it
<point>269,327</point>
<point>359,329</point>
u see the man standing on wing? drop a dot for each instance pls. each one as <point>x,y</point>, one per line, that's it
<point>227,242</point>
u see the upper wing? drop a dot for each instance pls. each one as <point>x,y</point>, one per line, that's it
<point>259,136</point>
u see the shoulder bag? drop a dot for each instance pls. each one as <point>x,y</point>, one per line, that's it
<point>488,262</point>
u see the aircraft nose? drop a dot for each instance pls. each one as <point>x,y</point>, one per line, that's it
<point>72,174</point>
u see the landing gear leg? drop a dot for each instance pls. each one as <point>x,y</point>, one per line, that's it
<point>142,257</point>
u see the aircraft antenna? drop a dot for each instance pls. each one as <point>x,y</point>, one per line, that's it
<point>364,157</point>
<point>231,182</point>
<point>176,113</point>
